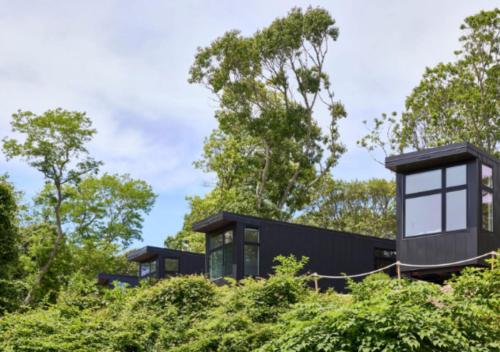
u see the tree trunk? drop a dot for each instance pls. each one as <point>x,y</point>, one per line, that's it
<point>57,245</point>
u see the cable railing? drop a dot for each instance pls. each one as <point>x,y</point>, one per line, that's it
<point>316,277</point>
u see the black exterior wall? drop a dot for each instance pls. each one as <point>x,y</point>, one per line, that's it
<point>329,252</point>
<point>189,263</point>
<point>445,247</point>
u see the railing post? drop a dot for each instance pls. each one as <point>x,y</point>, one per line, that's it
<point>398,271</point>
<point>316,278</point>
<point>493,255</point>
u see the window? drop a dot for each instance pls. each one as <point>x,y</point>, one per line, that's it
<point>220,257</point>
<point>423,181</point>
<point>171,266</point>
<point>423,215</point>
<point>251,252</point>
<point>384,257</point>
<point>147,268</point>
<point>487,198</point>
<point>435,201</point>
<point>456,208</point>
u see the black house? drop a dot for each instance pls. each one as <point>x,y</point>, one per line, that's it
<point>448,207</point>
<point>157,263</point>
<point>239,246</point>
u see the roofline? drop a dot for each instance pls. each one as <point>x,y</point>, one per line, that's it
<point>463,151</point>
<point>140,251</point>
<point>235,217</point>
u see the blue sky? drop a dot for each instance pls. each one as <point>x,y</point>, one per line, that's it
<point>126,64</point>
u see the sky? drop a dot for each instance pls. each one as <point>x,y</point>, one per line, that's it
<point>126,64</point>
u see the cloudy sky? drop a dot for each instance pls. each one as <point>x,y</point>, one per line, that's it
<point>126,64</point>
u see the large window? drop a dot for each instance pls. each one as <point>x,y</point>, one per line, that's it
<point>435,201</point>
<point>251,251</point>
<point>220,255</point>
<point>147,268</point>
<point>171,266</point>
<point>487,197</point>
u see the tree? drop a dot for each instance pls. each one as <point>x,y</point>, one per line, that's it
<point>107,209</point>
<point>268,145</point>
<point>366,207</point>
<point>9,237</point>
<point>454,102</point>
<point>54,144</point>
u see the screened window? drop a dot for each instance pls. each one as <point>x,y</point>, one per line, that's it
<point>251,252</point>
<point>487,198</point>
<point>171,265</point>
<point>147,268</point>
<point>435,201</point>
<point>220,256</point>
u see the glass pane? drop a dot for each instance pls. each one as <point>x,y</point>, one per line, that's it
<point>144,269</point>
<point>456,210</point>
<point>172,265</point>
<point>251,235</point>
<point>251,253</point>
<point>153,266</point>
<point>228,237</point>
<point>215,264</point>
<point>423,215</point>
<point>423,181</point>
<point>487,175</point>
<point>228,260</point>
<point>487,211</point>
<point>215,241</point>
<point>456,176</point>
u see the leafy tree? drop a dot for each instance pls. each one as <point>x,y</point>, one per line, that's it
<point>54,144</point>
<point>106,209</point>
<point>9,240</point>
<point>454,102</point>
<point>366,207</point>
<point>268,145</point>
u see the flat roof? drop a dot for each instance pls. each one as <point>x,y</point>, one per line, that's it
<point>436,156</point>
<point>149,252</point>
<point>224,218</point>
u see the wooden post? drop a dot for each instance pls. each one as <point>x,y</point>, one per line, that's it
<point>398,271</point>
<point>316,286</point>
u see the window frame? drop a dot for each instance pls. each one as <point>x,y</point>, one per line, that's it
<point>151,273</point>
<point>488,189</point>
<point>169,272</point>
<point>221,248</point>
<point>251,243</point>
<point>443,191</point>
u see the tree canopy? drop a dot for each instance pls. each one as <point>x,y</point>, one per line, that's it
<point>455,101</point>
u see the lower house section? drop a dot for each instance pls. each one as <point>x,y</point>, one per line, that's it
<point>109,280</point>
<point>158,263</point>
<point>238,246</point>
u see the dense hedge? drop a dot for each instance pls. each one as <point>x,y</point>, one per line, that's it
<point>277,314</point>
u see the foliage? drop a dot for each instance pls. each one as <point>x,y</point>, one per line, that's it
<point>268,145</point>
<point>366,207</point>
<point>275,314</point>
<point>106,209</point>
<point>454,102</point>
<point>9,238</point>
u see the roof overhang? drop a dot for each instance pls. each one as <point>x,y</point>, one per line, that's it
<point>434,157</point>
<point>149,253</point>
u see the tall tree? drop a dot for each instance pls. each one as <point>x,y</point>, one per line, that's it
<point>9,238</point>
<point>105,209</point>
<point>268,145</point>
<point>454,102</point>
<point>366,207</point>
<point>54,144</point>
